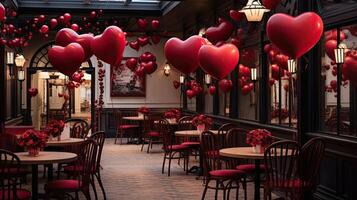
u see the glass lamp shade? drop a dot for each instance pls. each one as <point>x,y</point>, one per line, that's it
<point>254,11</point>
<point>182,79</point>
<point>167,69</point>
<point>21,75</point>
<point>253,74</point>
<point>9,57</point>
<point>202,32</point>
<point>208,79</point>
<point>292,66</point>
<point>340,55</point>
<point>20,60</point>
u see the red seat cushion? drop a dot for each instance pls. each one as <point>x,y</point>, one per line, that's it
<point>250,168</point>
<point>66,185</point>
<point>128,126</point>
<point>227,173</point>
<point>153,134</point>
<point>21,194</point>
<point>191,143</point>
<point>178,147</point>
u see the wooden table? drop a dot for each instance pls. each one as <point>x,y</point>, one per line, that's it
<point>191,133</point>
<point>247,153</point>
<point>44,158</point>
<point>65,142</point>
<point>134,118</point>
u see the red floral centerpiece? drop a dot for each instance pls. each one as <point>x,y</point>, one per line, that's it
<point>54,128</point>
<point>173,114</point>
<point>259,139</point>
<point>202,122</point>
<point>143,111</point>
<point>33,140</point>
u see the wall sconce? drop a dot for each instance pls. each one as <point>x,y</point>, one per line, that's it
<point>9,57</point>
<point>208,79</point>
<point>253,74</point>
<point>21,74</point>
<point>167,69</point>
<point>202,32</point>
<point>340,53</point>
<point>292,66</point>
<point>182,79</point>
<point>20,60</point>
<point>254,11</point>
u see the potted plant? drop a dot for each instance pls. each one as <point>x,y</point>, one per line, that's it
<point>33,141</point>
<point>54,129</point>
<point>259,139</point>
<point>202,122</point>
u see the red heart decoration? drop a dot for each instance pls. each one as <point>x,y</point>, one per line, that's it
<point>243,71</point>
<point>332,35</point>
<point>235,15</point>
<point>77,77</point>
<point>142,23</point>
<point>237,41</point>
<point>33,92</point>
<point>247,57</point>
<point>140,71</point>
<point>183,55</point>
<point>212,89</point>
<point>349,69</point>
<point>275,72</point>
<point>225,85</point>
<point>131,63</point>
<point>271,4</point>
<point>155,39</point>
<point>44,29</point>
<point>218,61</point>
<point>271,82</point>
<point>2,13</point>
<point>41,18</point>
<point>190,94</point>
<point>155,24</point>
<point>66,60</point>
<point>246,89</point>
<point>67,17</point>
<point>149,67</point>
<point>330,47</point>
<point>53,23</point>
<point>176,84</point>
<point>109,46</point>
<point>66,36</point>
<point>220,33</point>
<point>143,41</point>
<point>75,27</point>
<point>295,36</point>
<point>282,60</point>
<point>147,57</point>
<point>134,45</point>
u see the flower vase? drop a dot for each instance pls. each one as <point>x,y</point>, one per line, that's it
<point>258,149</point>
<point>201,128</point>
<point>59,138</point>
<point>33,151</point>
<point>172,120</point>
<point>140,115</point>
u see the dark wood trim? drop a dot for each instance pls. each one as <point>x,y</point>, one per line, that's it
<point>2,88</point>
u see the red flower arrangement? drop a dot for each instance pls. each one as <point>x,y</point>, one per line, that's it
<point>173,114</point>
<point>54,128</point>
<point>143,110</point>
<point>275,113</point>
<point>33,140</point>
<point>260,137</point>
<point>202,120</point>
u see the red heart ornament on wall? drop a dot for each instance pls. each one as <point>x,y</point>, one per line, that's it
<point>275,72</point>
<point>131,63</point>
<point>220,33</point>
<point>155,24</point>
<point>33,92</point>
<point>176,84</point>
<point>53,23</point>
<point>149,67</point>
<point>143,41</point>
<point>295,36</point>
<point>190,94</point>
<point>246,89</point>
<point>134,45</point>
<point>142,23</point>
<point>109,46</point>
<point>212,89</point>
<point>147,57</point>
<point>330,47</point>
<point>271,4</point>
<point>155,39</point>
<point>183,55</point>
<point>225,85</point>
<point>243,71</point>
<point>218,61</point>
<point>66,36</point>
<point>66,60</point>
<point>349,69</point>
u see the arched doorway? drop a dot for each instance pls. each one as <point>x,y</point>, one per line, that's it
<point>49,82</point>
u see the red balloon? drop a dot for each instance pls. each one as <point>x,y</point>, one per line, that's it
<point>44,29</point>
<point>66,36</point>
<point>295,36</point>
<point>109,46</point>
<point>190,94</point>
<point>220,33</point>
<point>176,84</point>
<point>147,57</point>
<point>61,19</point>
<point>349,69</point>
<point>143,41</point>
<point>275,72</point>
<point>246,89</point>
<point>155,24</point>
<point>267,48</point>
<point>282,60</point>
<point>33,92</point>
<point>2,13</point>
<point>332,35</point>
<point>235,15</point>
<point>67,17</point>
<point>131,63</point>
<point>149,67</point>
<point>218,61</point>
<point>243,71</point>
<point>155,39</point>
<point>142,23</point>
<point>247,57</point>
<point>212,89</point>
<point>93,15</point>
<point>271,4</point>
<point>183,55</point>
<point>53,23</point>
<point>140,71</point>
<point>77,77</point>
<point>74,27</point>
<point>66,60</point>
<point>134,45</point>
<point>41,18</point>
<point>225,85</point>
<point>237,41</point>
<point>330,47</point>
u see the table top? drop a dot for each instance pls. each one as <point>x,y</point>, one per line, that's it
<point>134,118</point>
<point>65,142</point>
<point>241,152</point>
<point>191,133</point>
<point>46,157</point>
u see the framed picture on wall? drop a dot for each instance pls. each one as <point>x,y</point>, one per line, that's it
<point>124,82</point>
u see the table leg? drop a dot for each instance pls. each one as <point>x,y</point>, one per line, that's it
<point>257,180</point>
<point>34,182</point>
<point>50,172</point>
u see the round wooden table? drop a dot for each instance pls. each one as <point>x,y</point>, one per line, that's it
<point>191,133</point>
<point>44,158</point>
<point>247,153</point>
<point>65,142</point>
<point>134,118</point>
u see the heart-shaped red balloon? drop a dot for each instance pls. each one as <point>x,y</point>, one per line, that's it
<point>2,13</point>
<point>243,71</point>
<point>67,17</point>
<point>149,67</point>
<point>143,41</point>
<point>33,92</point>
<point>190,94</point>
<point>142,23</point>
<point>176,84</point>
<point>75,27</point>
<point>147,57</point>
<point>235,15</point>
<point>134,45</point>
<point>131,63</point>
<point>220,33</point>
<point>44,29</point>
<point>183,55</point>
<point>330,47</point>
<point>225,85</point>
<point>271,4</point>
<point>332,35</point>
<point>282,60</point>
<point>247,57</point>
<point>349,69</point>
<point>109,46</point>
<point>246,89</point>
<point>140,71</point>
<point>155,39</point>
<point>53,23</point>
<point>77,77</point>
<point>212,89</point>
<point>218,61</point>
<point>295,36</point>
<point>66,36</point>
<point>66,60</point>
<point>275,72</point>
<point>155,24</point>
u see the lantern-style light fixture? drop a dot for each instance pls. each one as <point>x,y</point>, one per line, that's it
<point>167,69</point>
<point>20,60</point>
<point>253,74</point>
<point>9,57</point>
<point>182,79</point>
<point>292,66</point>
<point>340,53</point>
<point>208,79</point>
<point>254,11</point>
<point>21,74</point>
<point>202,32</point>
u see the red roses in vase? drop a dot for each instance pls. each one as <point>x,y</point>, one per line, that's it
<point>33,140</point>
<point>54,128</point>
<point>143,110</point>
<point>259,139</point>
<point>173,114</point>
<point>202,122</point>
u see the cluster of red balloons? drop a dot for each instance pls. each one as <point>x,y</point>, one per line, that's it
<point>142,41</point>
<point>244,75</point>
<point>145,64</point>
<point>194,89</point>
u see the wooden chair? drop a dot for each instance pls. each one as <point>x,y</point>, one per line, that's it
<point>226,179</point>
<point>171,149</point>
<point>123,128</point>
<point>151,135</point>
<point>222,132</point>
<point>281,163</point>
<point>79,128</point>
<point>10,176</point>
<point>87,159</point>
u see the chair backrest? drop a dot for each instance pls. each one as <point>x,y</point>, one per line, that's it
<point>164,128</point>
<point>87,159</point>
<point>149,122</point>
<point>310,159</point>
<point>185,123</point>
<point>281,159</point>
<point>8,142</point>
<point>79,127</point>
<point>99,138</point>
<point>9,174</point>
<point>236,137</point>
<point>222,132</point>
<point>210,152</point>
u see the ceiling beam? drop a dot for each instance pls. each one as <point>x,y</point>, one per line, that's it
<point>127,2</point>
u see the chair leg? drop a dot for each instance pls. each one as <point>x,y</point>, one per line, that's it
<point>121,136</point>
<point>76,196</point>
<point>150,143</point>
<point>142,146</point>
<point>205,190</point>
<point>93,186</point>
<point>163,163</point>
<point>86,193</point>
<point>99,178</point>
<point>216,192</point>
<point>245,188</point>
<point>170,158</point>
